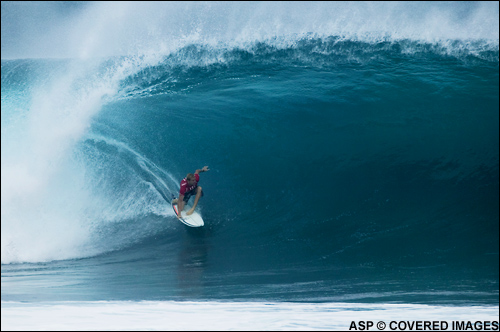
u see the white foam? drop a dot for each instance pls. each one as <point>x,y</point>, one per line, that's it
<point>121,28</point>
<point>221,316</point>
<point>46,196</point>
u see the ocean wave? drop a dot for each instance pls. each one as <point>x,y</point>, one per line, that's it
<point>97,142</point>
<point>169,75</point>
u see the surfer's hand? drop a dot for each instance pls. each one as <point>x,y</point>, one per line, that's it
<point>190,212</point>
<point>205,169</point>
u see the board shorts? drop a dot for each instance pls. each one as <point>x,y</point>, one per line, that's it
<point>188,195</point>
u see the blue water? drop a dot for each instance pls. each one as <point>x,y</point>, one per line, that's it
<point>347,165</point>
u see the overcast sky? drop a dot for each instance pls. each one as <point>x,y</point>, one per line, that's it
<point>28,26</point>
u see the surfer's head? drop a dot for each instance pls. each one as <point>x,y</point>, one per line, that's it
<point>191,179</point>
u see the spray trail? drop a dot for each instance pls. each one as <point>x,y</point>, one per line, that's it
<point>44,183</point>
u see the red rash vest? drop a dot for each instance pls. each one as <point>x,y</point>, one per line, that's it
<point>187,188</point>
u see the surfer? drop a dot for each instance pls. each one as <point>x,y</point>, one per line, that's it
<point>189,187</point>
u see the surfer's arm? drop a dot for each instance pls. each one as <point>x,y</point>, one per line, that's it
<point>204,169</point>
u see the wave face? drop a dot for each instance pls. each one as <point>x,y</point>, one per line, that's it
<point>342,162</point>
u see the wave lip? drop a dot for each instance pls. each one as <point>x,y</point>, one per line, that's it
<point>109,29</point>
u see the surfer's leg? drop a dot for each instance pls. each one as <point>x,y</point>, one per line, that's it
<point>196,199</point>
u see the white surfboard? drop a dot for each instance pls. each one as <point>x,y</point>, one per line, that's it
<point>193,220</point>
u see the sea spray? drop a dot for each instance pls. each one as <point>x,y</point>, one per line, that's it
<point>44,189</point>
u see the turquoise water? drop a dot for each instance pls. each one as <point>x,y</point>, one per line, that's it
<point>345,166</point>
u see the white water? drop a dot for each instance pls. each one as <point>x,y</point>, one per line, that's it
<point>221,316</point>
<point>46,197</point>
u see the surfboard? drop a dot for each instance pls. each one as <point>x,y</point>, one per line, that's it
<point>193,220</point>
